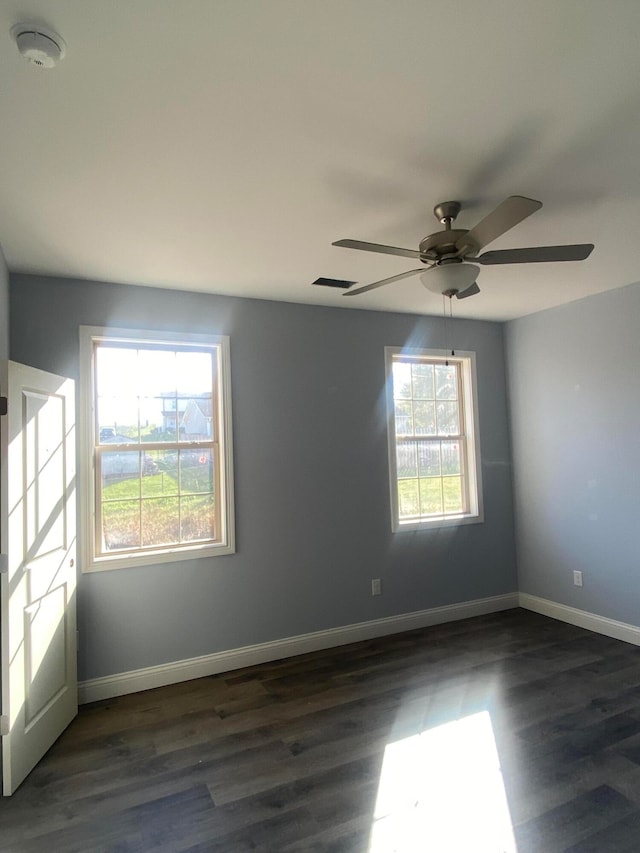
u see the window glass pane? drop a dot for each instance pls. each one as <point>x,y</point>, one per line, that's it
<point>195,373</point>
<point>121,524</point>
<point>117,420</point>
<point>431,496</point>
<point>157,373</point>
<point>406,459</point>
<point>120,474</point>
<point>404,418</point>
<point>429,458</point>
<point>116,395</point>
<point>450,457</point>
<point>159,473</point>
<point>423,386</point>
<point>408,498</point>
<point>157,498</point>
<point>116,371</point>
<point>194,402</point>
<point>446,381</point>
<point>152,422</point>
<point>196,417</point>
<point>448,418</point>
<point>160,521</point>
<point>168,417</point>
<point>401,380</point>
<point>424,418</point>
<point>155,395</point>
<point>197,518</point>
<point>120,477</point>
<point>196,471</point>
<point>452,492</point>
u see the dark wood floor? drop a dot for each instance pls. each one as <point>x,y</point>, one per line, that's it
<point>292,756</point>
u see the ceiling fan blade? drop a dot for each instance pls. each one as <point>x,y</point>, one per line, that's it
<point>470,291</point>
<point>384,281</point>
<point>537,254</point>
<point>377,247</point>
<point>506,215</point>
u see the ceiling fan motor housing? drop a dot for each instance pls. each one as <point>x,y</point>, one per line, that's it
<point>442,244</point>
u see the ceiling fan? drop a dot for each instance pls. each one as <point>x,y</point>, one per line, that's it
<point>447,253</point>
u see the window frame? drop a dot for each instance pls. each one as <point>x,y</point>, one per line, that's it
<point>469,435</point>
<point>93,561</point>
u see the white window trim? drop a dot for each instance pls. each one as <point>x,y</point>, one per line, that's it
<point>89,335</point>
<point>475,515</point>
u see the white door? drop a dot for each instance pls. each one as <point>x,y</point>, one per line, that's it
<point>38,581</point>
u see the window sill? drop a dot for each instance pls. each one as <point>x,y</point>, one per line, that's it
<point>437,522</point>
<point>156,558</point>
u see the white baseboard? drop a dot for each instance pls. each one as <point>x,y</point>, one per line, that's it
<point>581,618</point>
<point>185,670</point>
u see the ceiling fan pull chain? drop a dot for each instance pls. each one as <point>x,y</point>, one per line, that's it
<point>450,319</point>
<point>446,331</point>
<point>447,327</point>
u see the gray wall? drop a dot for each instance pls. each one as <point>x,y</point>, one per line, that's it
<point>311,478</point>
<point>575,418</point>
<point>4,308</point>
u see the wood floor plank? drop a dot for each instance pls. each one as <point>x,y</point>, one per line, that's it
<point>162,825</point>
<point>287,757</point>
<point>573,822</point>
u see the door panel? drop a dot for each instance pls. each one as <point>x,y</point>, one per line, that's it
<point>43,443</point>
<point>37,535</point>
<point>45,631</point>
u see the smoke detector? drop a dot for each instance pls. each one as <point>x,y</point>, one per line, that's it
<point>40,45</point>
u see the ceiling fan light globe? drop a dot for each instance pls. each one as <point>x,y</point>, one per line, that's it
<point>449,278</point>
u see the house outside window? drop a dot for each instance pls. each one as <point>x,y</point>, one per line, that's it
<point>434,449</point>
<point>156,458</point>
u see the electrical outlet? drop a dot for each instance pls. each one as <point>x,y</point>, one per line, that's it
<point>376,586</point>
<point>577,578</point>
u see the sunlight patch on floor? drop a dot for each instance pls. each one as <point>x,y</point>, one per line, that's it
<point>442,791</point>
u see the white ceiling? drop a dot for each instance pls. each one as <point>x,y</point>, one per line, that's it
<point>222,145</point>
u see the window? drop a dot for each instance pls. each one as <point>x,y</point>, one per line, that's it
<point>433,442</point>
<point>156,454</point>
